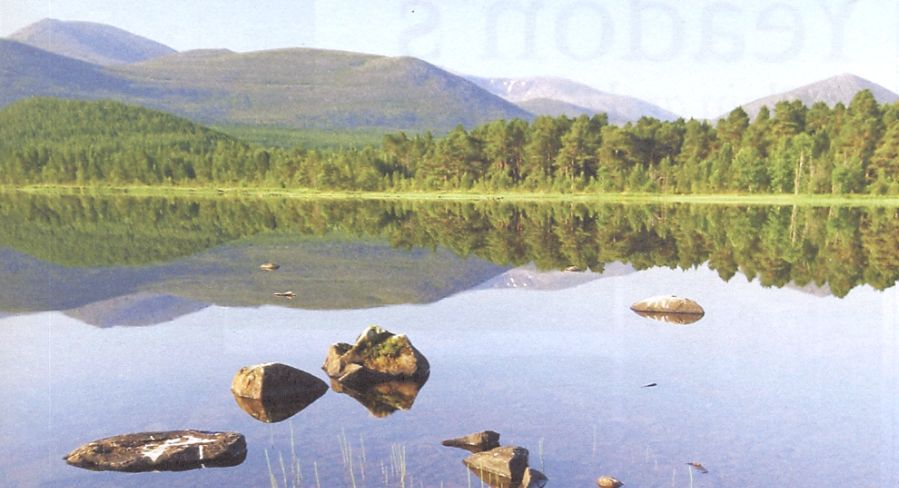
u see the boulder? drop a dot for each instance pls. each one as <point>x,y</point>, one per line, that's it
<point>377,356</point>
<point>178,450</point>
<point>273,392</point>
<point>608,482</point>
<point>382,399</point>
<point>671,309</point>
<point>500,464</point>
<point>477,442</point>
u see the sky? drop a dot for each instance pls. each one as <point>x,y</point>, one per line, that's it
<point>697,58</point>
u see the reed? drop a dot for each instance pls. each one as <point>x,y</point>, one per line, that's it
<point>346,451</point>
<point>271,474</point>
<point>540,454</point>
<point>398,457</point>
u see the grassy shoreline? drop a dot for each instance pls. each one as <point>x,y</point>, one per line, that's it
<point>511,196</point>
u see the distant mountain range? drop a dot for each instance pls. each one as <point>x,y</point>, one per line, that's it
<point>837,89</point>
<point>297,88</point>
<point>558,96</point>
<point>311,88</point>
<point>86,41</point>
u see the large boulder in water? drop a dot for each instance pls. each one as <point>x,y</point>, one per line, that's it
<point>273,392</point>
<point>377,356</point>
<point>671,309</point>
<point>178,450</point>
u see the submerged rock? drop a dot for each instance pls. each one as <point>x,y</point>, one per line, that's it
<point>273,392</point>
<point>608,482</point>
<point>377,356</point>
<point>501,466</point>
<point>477,442</point>
<point>671,309</point>
<point>382,399</point>
<point>178,450</point>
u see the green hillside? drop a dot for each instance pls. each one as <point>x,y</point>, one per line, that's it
<point>26,71</point>
<point>47,139</point>
<point>287,88</point>
<point>323,89</point>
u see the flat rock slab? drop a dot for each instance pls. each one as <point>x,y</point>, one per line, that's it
<point>499,464</point>
<point>477,442</point>
<point>178,450</point>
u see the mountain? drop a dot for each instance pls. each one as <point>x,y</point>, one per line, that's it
<point>86,41</point>
<point>549,106</point>
<point>26,71</point>
<point>321,88</point>
<point>555,96</point>
<point>295,88</point>
<point>830,91</point>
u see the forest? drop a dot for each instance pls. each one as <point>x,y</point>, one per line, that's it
<point>795,149</point>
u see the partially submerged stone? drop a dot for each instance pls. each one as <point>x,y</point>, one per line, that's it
<point>382,399</point>
<point>500,465</point>
<point>273,392</point>
<point>477,442</point>
<point>178,450</point>
<point>671,309</point>
<point>377,356</point>
<point>533,479</point>
<point>608,482</point>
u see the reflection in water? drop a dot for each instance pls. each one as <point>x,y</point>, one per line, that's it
<point>671,318</point>
<point>274,409</point>
<point>383,399</point>
<point>840,247</point>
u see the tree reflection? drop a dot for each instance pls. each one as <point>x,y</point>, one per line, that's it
<point>835,247</point>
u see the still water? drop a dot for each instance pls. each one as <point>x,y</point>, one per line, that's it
<point>129,315</point>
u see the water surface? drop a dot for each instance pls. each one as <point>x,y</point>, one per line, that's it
<point>117,322</point>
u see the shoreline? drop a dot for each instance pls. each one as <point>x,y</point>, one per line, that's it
<point>461,196</point>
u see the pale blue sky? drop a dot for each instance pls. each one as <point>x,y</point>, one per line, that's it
<point>695,57</point>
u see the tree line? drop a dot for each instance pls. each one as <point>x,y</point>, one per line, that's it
<point>795,149</point>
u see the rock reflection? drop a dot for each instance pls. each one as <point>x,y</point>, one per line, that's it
<point>271,410</point>
<point>383,399</point>
<point>671,318</point>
